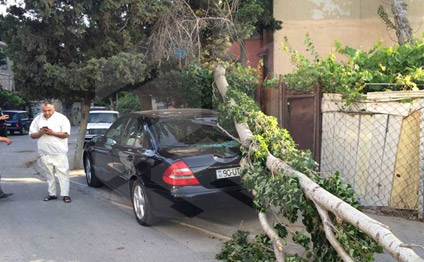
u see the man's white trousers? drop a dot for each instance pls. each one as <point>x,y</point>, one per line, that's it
<point>57,165</point>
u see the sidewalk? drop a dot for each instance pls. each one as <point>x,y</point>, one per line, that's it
<point>222,221</point>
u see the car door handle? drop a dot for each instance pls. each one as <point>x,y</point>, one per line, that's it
<point>130,157</point>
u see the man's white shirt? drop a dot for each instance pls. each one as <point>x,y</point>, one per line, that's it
<point>48,144</point>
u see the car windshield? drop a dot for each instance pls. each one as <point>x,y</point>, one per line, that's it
<point>12,115</point>
<point>102,117</point>
<point>185,133</point>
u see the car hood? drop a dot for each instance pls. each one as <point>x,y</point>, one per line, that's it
<point>98,125</point>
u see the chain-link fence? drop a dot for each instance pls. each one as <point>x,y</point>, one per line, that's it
<point>377,145</point>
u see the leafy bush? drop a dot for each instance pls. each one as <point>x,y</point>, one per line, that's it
<point>128,103</point>
<point>379,69</point>
<point>197,84</point>
<point>12,100</point>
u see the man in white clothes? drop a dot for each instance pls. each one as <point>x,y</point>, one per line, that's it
<point>52,130</point>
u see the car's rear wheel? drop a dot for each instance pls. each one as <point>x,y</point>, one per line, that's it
<point>90,173</point>
<point>141,205</point>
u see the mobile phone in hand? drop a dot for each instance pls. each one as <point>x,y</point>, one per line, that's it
<point>45,127</point>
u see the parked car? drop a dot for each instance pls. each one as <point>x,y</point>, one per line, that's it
<point>18,121</point>
<point>167,162</point>
<point>99,122</point>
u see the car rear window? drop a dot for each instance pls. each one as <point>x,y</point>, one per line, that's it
<point>12,115</point>
<point>181,133</point>
<point>102,117</point>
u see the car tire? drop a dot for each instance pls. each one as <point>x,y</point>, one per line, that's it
<point>141,205</point>
<point>90,173</point>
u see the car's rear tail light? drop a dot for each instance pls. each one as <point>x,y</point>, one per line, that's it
<point>179,174</point>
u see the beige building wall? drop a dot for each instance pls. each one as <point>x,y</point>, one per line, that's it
<point>353,22</point>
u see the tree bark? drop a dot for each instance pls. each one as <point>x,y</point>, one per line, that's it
<point>85,110</point>
<point>243,53</point>
<point>402,25</point>
<point>327,201</point>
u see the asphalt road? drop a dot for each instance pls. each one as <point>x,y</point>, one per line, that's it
<point>88,229</point>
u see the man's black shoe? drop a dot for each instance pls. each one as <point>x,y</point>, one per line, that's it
<point>2,196</point>
<point>48,198</point>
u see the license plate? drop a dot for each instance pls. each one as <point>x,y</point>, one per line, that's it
<point>228,172</point>
<point>8,124</point>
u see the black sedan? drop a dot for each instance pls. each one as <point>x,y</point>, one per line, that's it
<point>167,162</point>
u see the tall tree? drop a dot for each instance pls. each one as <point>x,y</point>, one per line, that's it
<point>403,27</point>
<point>253,17</point>
<point>73,50</point>
<point>400,21</point>
<point>78,49</point>
<point>2,57</point>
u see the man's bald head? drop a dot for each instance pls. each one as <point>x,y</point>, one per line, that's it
<point>48,109</point>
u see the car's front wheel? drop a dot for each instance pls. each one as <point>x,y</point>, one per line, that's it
<point>90,173</point>
<point>141,205</point>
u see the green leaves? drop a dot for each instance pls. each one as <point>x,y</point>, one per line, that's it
<point>398,66</point>
<point>240,250</point>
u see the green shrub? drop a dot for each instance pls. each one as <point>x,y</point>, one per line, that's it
<point>378,69</point>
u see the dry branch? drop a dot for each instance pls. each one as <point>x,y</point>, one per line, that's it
<point>180,27</point>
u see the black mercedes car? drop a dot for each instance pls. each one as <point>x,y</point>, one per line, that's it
<point>166,161</point>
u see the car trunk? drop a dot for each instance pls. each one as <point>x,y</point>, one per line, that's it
<point>206,161</point>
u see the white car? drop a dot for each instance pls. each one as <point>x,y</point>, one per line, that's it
<point>99,122</point>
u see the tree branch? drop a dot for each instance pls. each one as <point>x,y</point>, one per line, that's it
<point>323,198</point>
<point>275,239</point>
<point>326,222</point>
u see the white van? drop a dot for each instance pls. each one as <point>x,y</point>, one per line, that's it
<point>99,122</point>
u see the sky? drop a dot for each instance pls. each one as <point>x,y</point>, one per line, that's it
<point>8,2</point>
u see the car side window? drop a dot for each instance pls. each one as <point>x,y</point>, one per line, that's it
<point>23,116</point>
<point>116,129</point>
<point>136,136</point>
<point>131,134</point>
<point>146,143</point>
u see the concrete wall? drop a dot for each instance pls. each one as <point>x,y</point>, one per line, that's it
<point>353,22</point>
<point>6,74</point>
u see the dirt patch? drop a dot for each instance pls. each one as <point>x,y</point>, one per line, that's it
<point>387,211</point>
<point>30,163</point>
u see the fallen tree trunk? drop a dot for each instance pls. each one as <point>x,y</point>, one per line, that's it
<point>324,200</point>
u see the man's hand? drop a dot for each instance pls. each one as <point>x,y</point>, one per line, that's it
<point>50,132</point>
<point>6,140</point>
<point>42,131</point>
<point>4,117</point>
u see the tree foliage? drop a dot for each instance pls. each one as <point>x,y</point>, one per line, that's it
<point>127,103</point>
<point>65,49</point>
<point>12,100</point>
<point>381,68</point>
